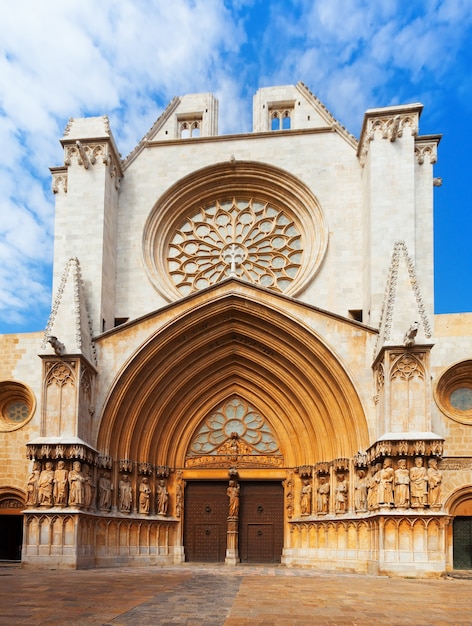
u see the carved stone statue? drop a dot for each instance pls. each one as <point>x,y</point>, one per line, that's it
<point>341,494</point>
<point>144,496</point>
<point>385,484</point>
<point>360,492</point>
<point>32,486</point>
<point>418,484</point>
<point>162,498</point>
<point>373,485</point>
<point>305,499</point>
<point>434,484</point>
<point>60,484</point>
<point>89,487</point>
<point>45,485</point>
<point>126,494</point>
<point>323,496</point>
<point>402,485</point>
<point>104,492</point>
<point>233,495</point>
<point>76,485</point>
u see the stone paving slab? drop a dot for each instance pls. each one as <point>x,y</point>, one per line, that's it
<point>219,595</point>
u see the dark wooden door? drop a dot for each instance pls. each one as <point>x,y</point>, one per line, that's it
<point>206,514</point>
<point>462,530</point>
<point>261,530</point>
<point>11,537</point>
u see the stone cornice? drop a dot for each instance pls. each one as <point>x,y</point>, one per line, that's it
<point>388,123</point>
<point>87,152</point>
<point>426,148</point>
<point>59,179</point>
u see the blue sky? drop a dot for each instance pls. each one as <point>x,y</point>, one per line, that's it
<point>128,59</point>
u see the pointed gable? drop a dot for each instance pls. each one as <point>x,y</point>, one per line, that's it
<point>403,312</point>
<point>69,329</point>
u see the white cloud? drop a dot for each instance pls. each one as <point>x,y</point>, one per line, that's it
<point>128,59</point>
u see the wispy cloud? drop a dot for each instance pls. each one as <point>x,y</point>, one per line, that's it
<point>128,59</point>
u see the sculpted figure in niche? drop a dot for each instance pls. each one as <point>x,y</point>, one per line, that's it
<point>162,498</point>
<point>402,485</point>
<point>89,487</point>
<point>126,494</point>
<point>434,484</point>
<point>323,496</point>
<point>385,488</point>
<point>60,484</point>
<point>373,495</point>
<point>340,495</point>
<point>76,485</point>
<point>144,496</point>
<point>360,492</point>
<point>46,485</point>
<point>418,484</point>
<point>32,486</point>
<point>233,495</point>
<point>104,492</point>
<point>305,499</point>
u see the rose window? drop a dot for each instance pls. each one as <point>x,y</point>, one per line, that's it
<point>244,238</point>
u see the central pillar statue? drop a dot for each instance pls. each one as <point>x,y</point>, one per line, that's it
<point>232,552</point>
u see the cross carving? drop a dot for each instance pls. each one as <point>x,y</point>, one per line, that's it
<point>233,257</point>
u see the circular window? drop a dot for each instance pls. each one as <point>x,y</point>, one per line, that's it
<point>453,392</point>
<point>240,219</point>
<point>238,237</point>
<point>17,405</point>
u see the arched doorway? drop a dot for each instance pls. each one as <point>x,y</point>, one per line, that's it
<point>11,526</point>
<point>232,341</point>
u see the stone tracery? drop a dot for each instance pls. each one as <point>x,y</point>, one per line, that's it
<point>240,237</point>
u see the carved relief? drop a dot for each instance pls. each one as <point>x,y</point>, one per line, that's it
<point>360,492</point>
<point>233,493</point>
<point>162,497</point>
<point>288,486</point>
<point>32,487</point>
<point>125,494</point>
<point>144,496</point>
<point>234,433</point>
<point>59,181</point>
<point>434,478</point>
<point>426,150</point>
<point>388,127</point>
<point>402,485</point>
<point>46,486</point>
<point>179,485</point>
<point>76,486</point>
<point>341,492</point>
<point>305,498</point>
<point>406,367</point>
<point>418,484</point>
<point>105,488</point>
<point>61,485</point>
<point>323,495</point>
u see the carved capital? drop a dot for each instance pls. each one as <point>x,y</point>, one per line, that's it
<point>426,151</point>
<point>59,180</point>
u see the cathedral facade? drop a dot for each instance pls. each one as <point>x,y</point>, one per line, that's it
<point>242,361</point>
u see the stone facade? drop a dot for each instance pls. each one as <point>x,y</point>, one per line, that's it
<point>254,310</point>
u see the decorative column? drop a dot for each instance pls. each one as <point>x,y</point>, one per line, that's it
<point>232,550</point>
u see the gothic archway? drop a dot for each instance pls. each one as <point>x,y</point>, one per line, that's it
<point>235,340</point>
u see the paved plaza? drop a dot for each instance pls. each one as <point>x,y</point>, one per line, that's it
<point>219,595</point>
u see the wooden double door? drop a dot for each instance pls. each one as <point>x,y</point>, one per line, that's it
<point>260,521</point>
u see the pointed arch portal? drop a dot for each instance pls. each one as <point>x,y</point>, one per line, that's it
<point>232,346</point>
